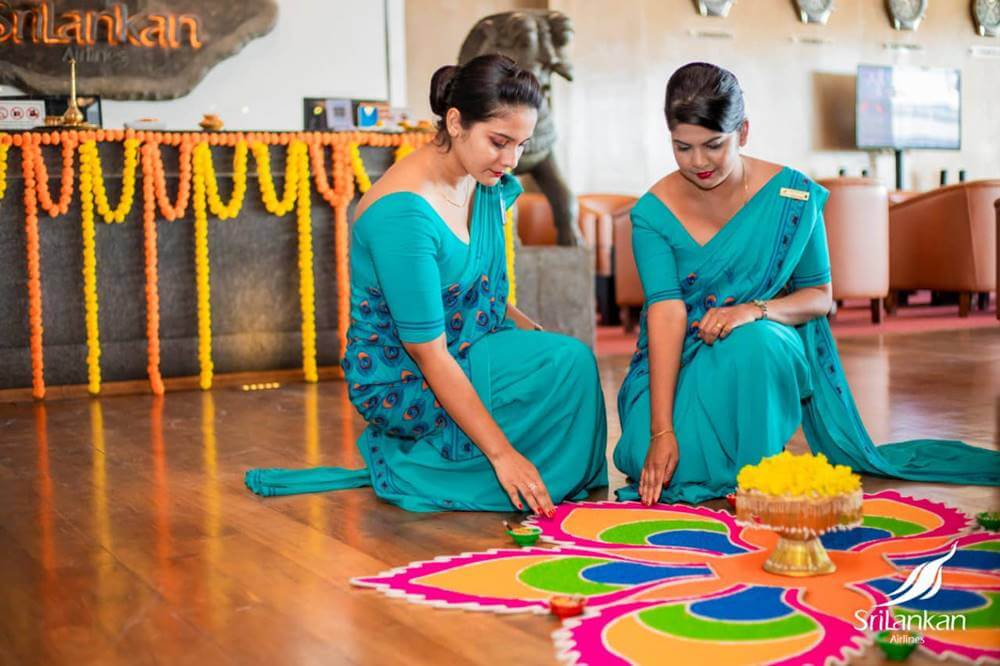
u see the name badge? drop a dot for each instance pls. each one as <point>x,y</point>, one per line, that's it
<point>800,195</point>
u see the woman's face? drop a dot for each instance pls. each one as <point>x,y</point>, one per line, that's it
<point>489,148</point>
<point>706,157</point>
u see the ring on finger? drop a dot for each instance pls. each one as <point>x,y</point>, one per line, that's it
<point>532,486</point>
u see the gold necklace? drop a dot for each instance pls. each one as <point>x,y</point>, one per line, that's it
<point>456,204</point>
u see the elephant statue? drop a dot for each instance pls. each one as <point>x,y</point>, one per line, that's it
<point>536,40</point>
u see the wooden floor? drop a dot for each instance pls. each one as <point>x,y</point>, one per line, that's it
<point>126,535</point>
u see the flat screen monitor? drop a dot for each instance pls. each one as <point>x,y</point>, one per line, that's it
<point>903,107</point>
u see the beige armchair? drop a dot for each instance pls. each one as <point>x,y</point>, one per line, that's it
<point>857,227</point>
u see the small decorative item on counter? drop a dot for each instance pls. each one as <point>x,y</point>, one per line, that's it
<point>800,497</point>
<point>210,122</point>
<point>897,644</point>
<point>146,124</point>
<point>566,606</point>
<point>989,520</point>
<point>523,536</point>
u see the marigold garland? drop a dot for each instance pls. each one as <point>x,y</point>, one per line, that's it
<point>90,161</point>
<point>90,267</point>
<point>232,208</point>
<point>201,266</point>
<point>4,148</point>
<point>42,179</point>
<point>307,290</point>
<point>265,180</point>
<point>508,237</point>
<point>150,163</point>
<point>195,165</point>
<point>34,275</point>
<point>364,182</point>
<point>176,210</point>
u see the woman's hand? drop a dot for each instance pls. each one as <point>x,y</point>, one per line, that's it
<point>720,322</point>
<point>519,477</point>
<point>661,461</point>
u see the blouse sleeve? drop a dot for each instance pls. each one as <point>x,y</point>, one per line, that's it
<point>813,268</point>
<point>404,249</point>
<point>654,257</point>
<point>510,190</point>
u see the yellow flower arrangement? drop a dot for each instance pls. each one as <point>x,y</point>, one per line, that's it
<point>807,475</point>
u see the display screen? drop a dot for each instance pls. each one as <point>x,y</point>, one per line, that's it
<point>909,107</point>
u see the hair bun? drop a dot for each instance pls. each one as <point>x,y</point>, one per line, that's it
<point>441,84</point>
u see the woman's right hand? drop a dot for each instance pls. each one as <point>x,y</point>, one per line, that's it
<point>661,461</point>
<point>520,478</point>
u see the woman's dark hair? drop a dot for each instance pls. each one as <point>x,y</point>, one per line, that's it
<point>479,89</point>
<point>705,95</point>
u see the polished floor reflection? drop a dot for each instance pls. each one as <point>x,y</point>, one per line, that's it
<point>128,537</point>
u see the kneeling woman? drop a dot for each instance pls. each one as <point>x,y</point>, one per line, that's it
<point>469,405</point>
<point>734,350</point>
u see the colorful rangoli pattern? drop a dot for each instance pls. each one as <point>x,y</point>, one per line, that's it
<point>687,581</point>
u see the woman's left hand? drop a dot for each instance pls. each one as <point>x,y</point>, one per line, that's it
<point>720,322</point>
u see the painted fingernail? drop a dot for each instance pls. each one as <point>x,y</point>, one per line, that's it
<point>520,506</point>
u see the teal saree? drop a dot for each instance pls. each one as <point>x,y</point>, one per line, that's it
<point>741,399</point>
<point>412,279</point>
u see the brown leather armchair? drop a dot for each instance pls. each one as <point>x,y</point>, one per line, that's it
<point>597,213</point>
<point>535,223</point>
<point>628,288</point>
<point>899,196</point>
<point>857,228</point>
<point>945,240</point>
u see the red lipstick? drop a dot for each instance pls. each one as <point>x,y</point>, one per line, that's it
<point>705,175</point>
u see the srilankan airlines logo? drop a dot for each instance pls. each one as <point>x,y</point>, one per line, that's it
<point>923,583</point>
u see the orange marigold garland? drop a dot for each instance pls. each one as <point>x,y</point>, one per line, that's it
<point>176,210</point>
<point>149,167</point>
<point>42,178</point>
<point>34,271</point>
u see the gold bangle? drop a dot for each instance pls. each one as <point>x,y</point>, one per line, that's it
<point>662,432</point>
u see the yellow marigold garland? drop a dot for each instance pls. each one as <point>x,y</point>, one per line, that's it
<point>231,209</point>
<point>508,237</point>
<point>4,148</point>
<point>90,161</point>
<point>265,180</point>
<point>298,154</point>
<point>201,156</point>
<point>358,166</point>
<point>87,186</point>
<point>405,148</point>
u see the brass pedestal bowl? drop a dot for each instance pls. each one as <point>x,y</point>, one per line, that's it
<point>799,521</point>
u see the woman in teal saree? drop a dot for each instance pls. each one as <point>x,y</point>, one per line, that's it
<point>734,349</point>
<point>469,405</point>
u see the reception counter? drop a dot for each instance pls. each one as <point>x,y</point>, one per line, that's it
<point>166,257</point>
